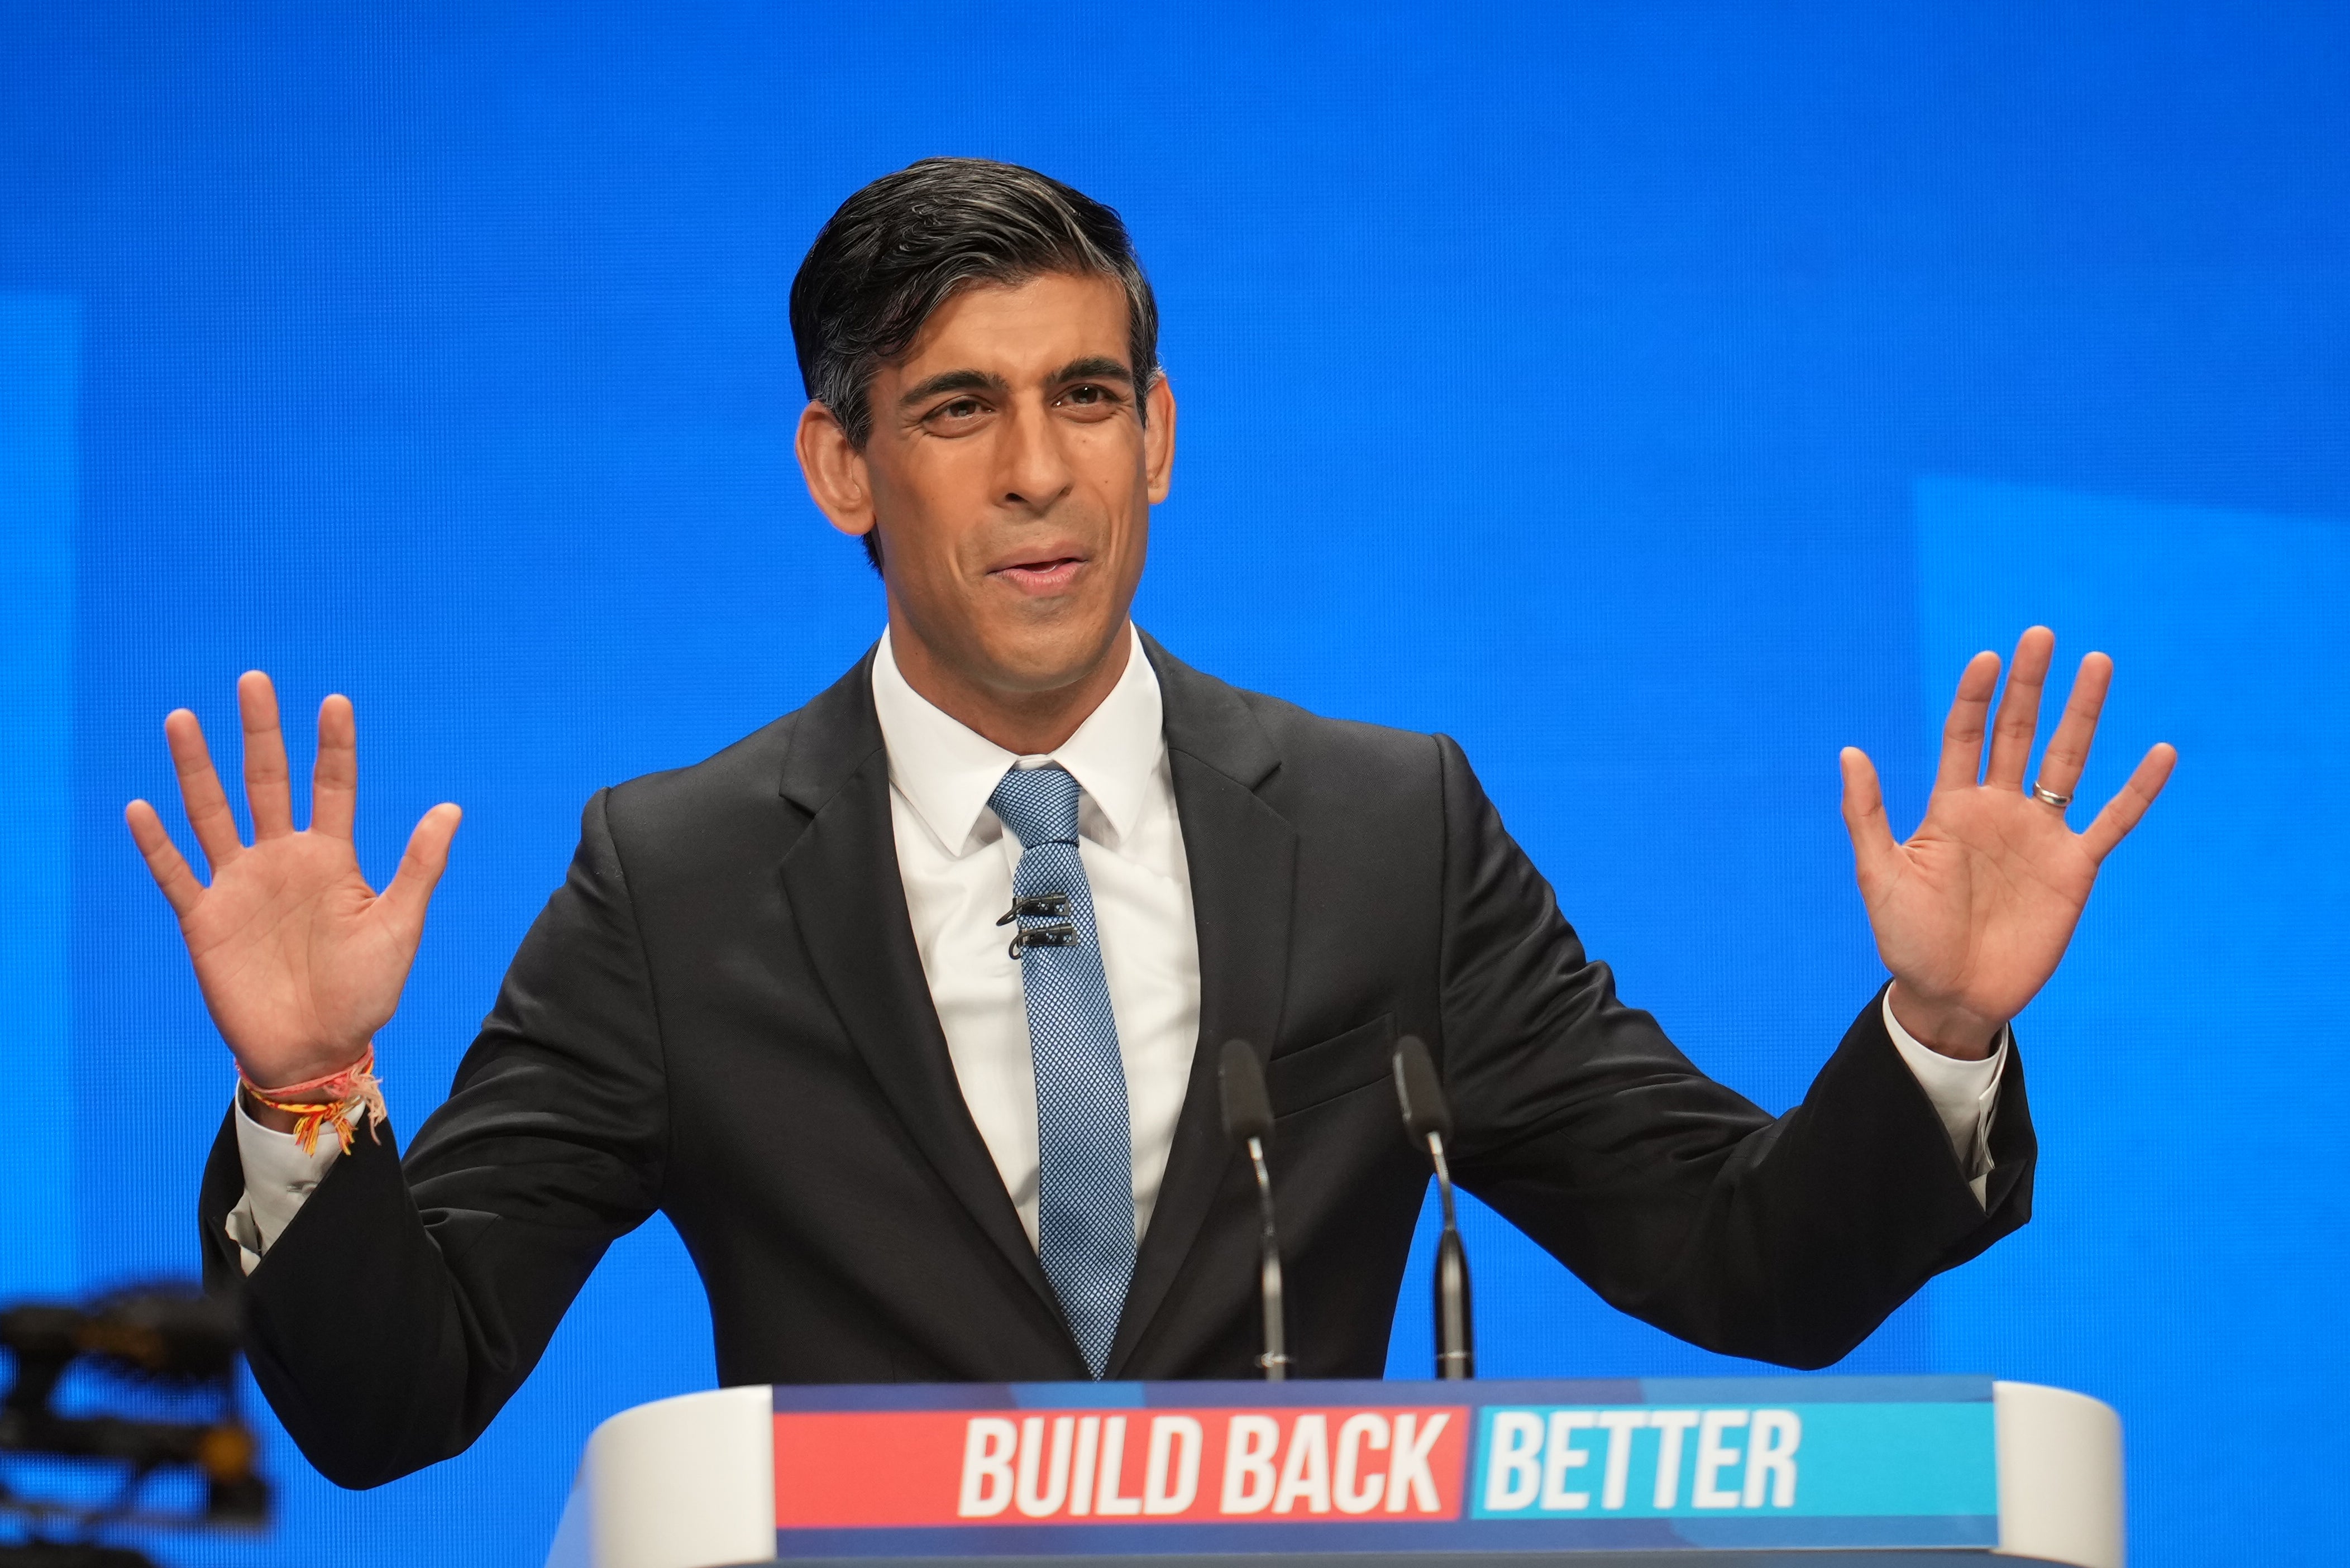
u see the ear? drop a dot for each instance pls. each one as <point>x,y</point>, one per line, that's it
<point>1158,439</point>
<point>835,473</point>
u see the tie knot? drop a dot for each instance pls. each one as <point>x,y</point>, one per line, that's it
<point>1038,804</point>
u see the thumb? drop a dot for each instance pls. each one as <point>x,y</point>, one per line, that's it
<point>1864,816</point>
<point>420,865</point>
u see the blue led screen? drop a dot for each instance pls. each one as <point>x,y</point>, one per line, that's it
<point>1654,398</point>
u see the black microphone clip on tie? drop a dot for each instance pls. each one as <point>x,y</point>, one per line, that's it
<point>1059,933</point>
<point>1427,1121</point>
<point>1248,1122</point>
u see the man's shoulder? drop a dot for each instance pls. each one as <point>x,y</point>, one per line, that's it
<point>750,766</point>
<point>750,786</point>
<point>720,805</point>
<point>1242,731</point>
<point>1304,738</point>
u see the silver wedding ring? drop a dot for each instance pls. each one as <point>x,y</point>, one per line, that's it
<point>2047,796</point>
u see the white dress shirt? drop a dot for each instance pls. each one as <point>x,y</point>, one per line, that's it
<point>956,861</point>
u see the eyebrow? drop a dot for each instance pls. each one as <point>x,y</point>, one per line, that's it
<point>1093,367</point>
<point>953,382</point>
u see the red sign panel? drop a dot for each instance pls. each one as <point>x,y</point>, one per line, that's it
<point>1136,1466</point>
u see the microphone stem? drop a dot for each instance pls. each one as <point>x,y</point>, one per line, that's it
<point>1276,1359</point>
<point>1456,1356</point>
<point>1443,1179</point>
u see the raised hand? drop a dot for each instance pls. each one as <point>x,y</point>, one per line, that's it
<point>1973,912</point>
<point>299,960</point>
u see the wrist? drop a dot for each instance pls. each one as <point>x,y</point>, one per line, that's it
<point>332,1100</point>
<point>292,1073</point>
<point>260,1115</point>
<point>1945,1028</point>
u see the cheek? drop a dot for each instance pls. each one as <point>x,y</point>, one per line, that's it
<point>929,507</point>
<point>1115,474</point>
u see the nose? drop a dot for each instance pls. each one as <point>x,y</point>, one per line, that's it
<point>1036,472</point>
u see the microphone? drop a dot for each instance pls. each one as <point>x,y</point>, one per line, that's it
<point>1427,1121</point>
<point>1248,1122</point>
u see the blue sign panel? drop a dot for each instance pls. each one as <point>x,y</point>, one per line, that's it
<point>1385,1468</point>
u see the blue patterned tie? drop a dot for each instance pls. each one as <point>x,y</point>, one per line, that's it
<point>1085,1179</point>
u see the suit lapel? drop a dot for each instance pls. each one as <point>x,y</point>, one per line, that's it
<point>1242,856</point>
<point>848,903</point>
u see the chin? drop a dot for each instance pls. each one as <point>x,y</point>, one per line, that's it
<point>1032,660</point>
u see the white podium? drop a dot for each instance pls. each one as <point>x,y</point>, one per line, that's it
<point>1829,1471</point>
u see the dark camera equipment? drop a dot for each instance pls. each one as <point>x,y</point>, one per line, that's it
<point>168,1353</point>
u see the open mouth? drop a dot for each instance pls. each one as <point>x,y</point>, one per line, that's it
<point>1045,575</point>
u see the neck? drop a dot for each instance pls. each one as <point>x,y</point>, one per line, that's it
<point>1026,723</point>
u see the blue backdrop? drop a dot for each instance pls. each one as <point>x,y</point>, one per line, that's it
<point>1656,399</point>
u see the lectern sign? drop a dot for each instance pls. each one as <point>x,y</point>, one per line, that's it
<point>1136,1466</point>
<point>1177,1468</point>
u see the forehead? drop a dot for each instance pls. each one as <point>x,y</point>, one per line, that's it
<point>1020,331</point>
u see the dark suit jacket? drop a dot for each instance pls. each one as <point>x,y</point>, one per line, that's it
<point>722,1015</point>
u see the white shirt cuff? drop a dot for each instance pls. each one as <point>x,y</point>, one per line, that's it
<point>278,1179</point>
<point>1965,1094</point>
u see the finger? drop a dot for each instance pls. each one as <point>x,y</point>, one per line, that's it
<point>180,888</point>
<point>266,793</point>
<point>2121,812</point>
<point>200,790</point>
<point>2068,748</point>
<point>335,780</point>
<point>1962,731</point>
<point>420,865</point>
<point>2019,710</point>
<point>1864,816</point>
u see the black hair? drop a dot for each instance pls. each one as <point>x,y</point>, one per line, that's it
<point>900,247</point>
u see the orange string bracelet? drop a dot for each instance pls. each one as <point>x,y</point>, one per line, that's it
<point>335,1100</point>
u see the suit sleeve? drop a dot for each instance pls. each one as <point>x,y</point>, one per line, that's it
<point>408,1299</point>
<point>1676,1199</point>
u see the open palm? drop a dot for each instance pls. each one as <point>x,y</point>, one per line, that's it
<point>1973,912</point>
<point>299,960</point>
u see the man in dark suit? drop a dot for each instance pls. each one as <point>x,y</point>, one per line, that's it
<point>896,1006</point>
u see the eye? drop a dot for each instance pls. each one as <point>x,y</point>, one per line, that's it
<point>1091,399</point>
<point>956,413</point>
